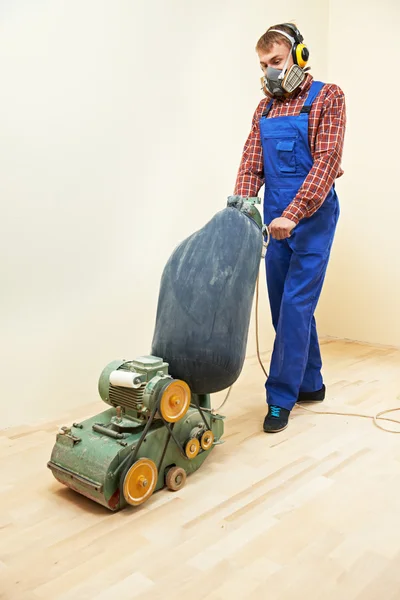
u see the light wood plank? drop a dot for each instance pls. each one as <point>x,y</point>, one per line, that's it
<point>314,508</point>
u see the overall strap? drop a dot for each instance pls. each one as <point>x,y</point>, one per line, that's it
<point>313,92</point>
<point>267,109</point>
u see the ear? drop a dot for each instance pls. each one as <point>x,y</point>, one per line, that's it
<point>263,86</point>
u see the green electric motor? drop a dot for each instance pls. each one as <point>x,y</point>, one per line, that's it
<point>154,434</point>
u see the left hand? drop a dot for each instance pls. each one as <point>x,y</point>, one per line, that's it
<point>281,228</point>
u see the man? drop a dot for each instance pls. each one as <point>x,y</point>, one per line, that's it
<point>295,147</point>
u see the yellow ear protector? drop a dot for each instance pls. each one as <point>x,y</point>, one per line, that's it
<point>300,52</point>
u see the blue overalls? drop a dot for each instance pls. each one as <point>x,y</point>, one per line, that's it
<point>295,267</point>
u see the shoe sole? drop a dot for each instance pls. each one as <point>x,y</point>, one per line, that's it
<point>276,430</point>
<point>309,401</point>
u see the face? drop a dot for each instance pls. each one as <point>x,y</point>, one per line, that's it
<point>275,57</point>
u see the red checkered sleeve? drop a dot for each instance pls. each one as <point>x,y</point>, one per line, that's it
<point>327,155</point>
<point>250,177</point>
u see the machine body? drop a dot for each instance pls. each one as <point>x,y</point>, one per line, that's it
<point>154,434</point>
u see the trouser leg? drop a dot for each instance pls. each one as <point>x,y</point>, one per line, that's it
<point>295,329</point>
<point>312,380</point>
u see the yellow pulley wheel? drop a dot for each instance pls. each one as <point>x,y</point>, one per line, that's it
<point>192,448</point>
<point>140,481</point>
<point>175,401</point>
<point>207,440</point>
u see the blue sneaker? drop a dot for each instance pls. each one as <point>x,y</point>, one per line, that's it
<point>276,420</point>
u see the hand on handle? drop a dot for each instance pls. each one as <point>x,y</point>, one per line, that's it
<point>281,228</point>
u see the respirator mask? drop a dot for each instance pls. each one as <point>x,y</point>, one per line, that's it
<point>282,82</point>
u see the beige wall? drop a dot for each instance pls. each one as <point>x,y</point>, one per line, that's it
<point>122,125</point>
<point>362,293</point>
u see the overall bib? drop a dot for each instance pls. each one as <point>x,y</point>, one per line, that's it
<point>295,267</point>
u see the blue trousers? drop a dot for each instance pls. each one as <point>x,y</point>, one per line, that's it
<point>295,281</point>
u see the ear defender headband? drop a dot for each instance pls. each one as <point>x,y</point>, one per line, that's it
<point>300,52</point>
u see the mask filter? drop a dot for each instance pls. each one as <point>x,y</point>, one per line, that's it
<point>293,79</point>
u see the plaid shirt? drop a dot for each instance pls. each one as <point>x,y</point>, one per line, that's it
<point>327,124</point>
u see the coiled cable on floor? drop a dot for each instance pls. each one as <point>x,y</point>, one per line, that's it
<point>378,417</point>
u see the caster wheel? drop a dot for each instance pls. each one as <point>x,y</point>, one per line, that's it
<point>175,479</point>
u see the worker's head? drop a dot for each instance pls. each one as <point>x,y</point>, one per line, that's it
<point>282,57</point>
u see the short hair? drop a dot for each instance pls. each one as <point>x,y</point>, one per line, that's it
<point>269,38</point>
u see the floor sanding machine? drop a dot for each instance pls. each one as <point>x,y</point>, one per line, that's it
<point>160,426</point>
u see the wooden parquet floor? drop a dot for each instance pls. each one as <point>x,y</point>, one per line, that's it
<point>310,513</point>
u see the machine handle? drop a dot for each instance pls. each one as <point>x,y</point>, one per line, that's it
<point>105,431</point>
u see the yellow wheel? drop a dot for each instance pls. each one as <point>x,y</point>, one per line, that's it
<point>192,448</point>
<point>175,401</point>
<point>140,481</point>
<point>207,440</point>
